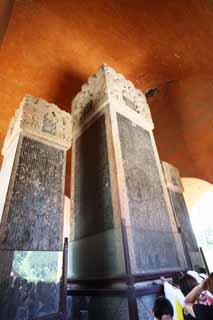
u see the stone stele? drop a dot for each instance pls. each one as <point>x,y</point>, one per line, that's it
<point>32,177</point>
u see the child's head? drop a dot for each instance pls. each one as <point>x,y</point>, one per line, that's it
<point>163,309</point>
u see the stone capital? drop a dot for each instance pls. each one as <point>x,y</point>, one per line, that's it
<point>108,87</point>
<point>37,118</point>
<point>172,177</point>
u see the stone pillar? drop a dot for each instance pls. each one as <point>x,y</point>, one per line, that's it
<point>117,179</point>
<point>175,189</point>
<point>117,174</point>
<point>33,176</point>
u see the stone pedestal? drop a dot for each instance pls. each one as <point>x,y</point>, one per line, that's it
<point>117,180</point>
<point>175,189</point>
<point>32,177</point>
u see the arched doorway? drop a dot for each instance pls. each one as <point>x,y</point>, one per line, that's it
<point>198,195</point>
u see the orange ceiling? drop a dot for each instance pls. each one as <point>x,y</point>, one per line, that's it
<point>51,47</point>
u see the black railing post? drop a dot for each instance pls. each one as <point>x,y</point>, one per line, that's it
<point>132,303</point>
<point>63,293</point>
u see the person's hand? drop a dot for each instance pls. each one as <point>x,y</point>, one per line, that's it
<point>204,284</point>
<point>163,280</point>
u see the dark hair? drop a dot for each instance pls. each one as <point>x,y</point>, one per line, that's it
<point>176,278</point>
<point>162,307</point>
<point>209,283</point>
<point>187,283</point>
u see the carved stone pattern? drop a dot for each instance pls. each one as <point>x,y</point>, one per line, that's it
<point>40,118</point>
<point>108,85</point>
<point>94,91</point>
<point>35,216</point>
<point>92,194</point>
<point>120,89</point>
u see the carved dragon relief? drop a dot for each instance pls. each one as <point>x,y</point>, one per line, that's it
<point>38,117</point>
<point>108,86</point>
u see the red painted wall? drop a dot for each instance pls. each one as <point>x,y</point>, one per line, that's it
<point>51,47</point>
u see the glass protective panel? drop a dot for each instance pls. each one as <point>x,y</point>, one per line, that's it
<point>29,284</point>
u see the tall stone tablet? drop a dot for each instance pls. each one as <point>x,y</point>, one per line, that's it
<point>32,177</point>
<point>122,221</point>
<point>175,189</point>
<point>117,176</point>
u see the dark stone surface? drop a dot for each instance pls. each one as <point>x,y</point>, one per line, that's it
<point>155,251</point>
<point>183,219</point>
<point>188,235</point>
<point>35,216</point>
<point>146,200</point>
<point>6,261</point>
<point>92,195</point>
<point>101,255</point>
<point>96,308</point>
<point>153,243</point>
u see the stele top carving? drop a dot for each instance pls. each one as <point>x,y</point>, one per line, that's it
<point>108,86</point>
<point>38,118</point>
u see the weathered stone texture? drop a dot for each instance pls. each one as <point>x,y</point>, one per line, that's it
<point>147,204</point>
<point>92,195</point>
<point>108,86</point>
<point>183,220</point>
<point>37,117</point>
<point>154,245</point>
<point>34,220</point>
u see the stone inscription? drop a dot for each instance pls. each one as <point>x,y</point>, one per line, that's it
<point>153,242</point>
<point>35,216</point>
<point>183,219</point>
<point>92,195</point>
<point>145,193</point>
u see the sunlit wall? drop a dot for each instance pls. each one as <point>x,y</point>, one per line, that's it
<point>198,195</point>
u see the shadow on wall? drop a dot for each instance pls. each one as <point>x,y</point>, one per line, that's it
<point>5,13</point>
<point>67,84</point>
